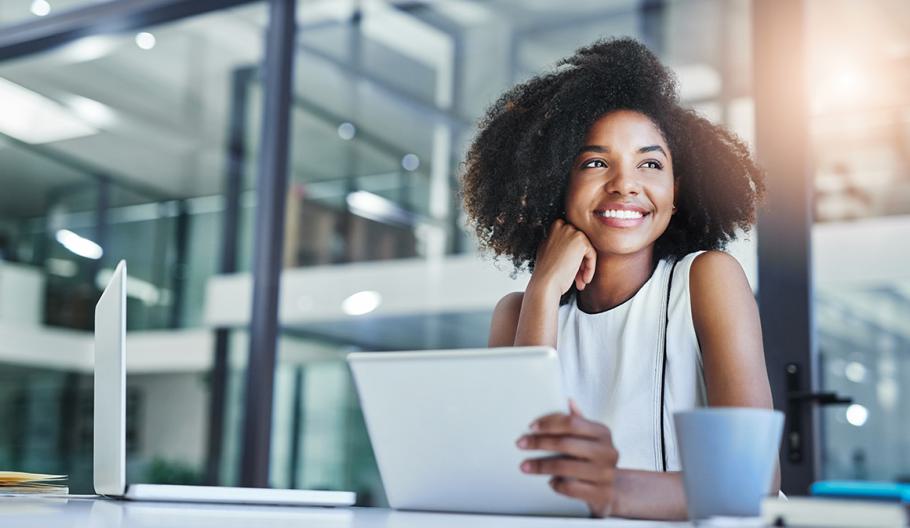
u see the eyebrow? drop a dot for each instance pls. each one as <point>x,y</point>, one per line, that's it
<point>604,150</point>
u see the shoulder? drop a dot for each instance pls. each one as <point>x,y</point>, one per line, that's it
<point>510,303</point>
<point>704,271</point>
<point>718,285</point>
<point>505,319</point>
<point>714,265</point>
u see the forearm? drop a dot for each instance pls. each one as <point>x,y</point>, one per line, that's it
<point>649,495</point>
<point>537,320</point>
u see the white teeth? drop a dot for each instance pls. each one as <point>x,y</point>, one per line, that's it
<point>616,213</point>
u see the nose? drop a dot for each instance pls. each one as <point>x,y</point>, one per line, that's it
<point>623,182</point>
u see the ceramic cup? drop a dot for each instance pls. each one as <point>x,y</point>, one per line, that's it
<point>728,457</point>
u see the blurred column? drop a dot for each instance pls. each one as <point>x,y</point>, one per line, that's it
<point>179,266</point>
<point>271,189</point>
<point>784,249</point>
<point>236,154</point>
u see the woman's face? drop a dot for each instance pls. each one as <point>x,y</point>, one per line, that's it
<point>621,191</point>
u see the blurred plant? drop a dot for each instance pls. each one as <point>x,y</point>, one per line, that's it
<point>161,471</point>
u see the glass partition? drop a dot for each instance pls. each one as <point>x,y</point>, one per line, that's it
<point>115,147</point>
<point>859,129</point>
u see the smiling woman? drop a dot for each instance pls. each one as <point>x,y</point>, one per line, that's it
<point>517,171</point>
<point>618,200</point>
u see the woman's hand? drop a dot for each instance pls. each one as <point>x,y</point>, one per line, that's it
<point>566,255</point>
<point>586,466</point>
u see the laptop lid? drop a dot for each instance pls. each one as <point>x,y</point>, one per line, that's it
<point>109,458</point>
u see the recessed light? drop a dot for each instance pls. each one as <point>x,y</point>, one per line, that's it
<point>410,162</point>
<point>40,8</point>
<point>346,131</point>
<point>857,415</point>
<point>361,303</point>
<point>79,244</point>
<point>145,40</point>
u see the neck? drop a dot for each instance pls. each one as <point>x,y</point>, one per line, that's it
<point>616,279</point>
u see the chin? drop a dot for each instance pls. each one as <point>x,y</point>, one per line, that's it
<point>620,247</point>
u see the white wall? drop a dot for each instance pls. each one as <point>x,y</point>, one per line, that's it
<point>21,294</point>
<point>464,283</point>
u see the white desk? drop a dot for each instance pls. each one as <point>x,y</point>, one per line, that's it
<point>24,512</point>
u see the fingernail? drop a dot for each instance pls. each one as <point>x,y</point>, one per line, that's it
<point>522,442</point>
<point>534,426</point>
<point>526,466</point>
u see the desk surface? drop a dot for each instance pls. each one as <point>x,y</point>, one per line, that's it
<point>26,512</point>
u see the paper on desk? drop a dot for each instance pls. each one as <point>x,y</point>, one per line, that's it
<point>18,478</point>
<point>19,483</point>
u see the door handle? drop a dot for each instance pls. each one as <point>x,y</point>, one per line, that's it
<point>821,398</point>
<point>796,398</point>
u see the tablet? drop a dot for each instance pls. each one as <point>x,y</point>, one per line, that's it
<point>443,425</point>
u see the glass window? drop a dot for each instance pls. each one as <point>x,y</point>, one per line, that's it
<point>857,61</point>
<point>123,156</point>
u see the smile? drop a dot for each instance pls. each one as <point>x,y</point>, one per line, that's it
<point>619,213</point>
<point>621,217</point>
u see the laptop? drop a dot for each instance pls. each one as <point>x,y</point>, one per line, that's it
<point>443,425</point>
<point>110,420</point>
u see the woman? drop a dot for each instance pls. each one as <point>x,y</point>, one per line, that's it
<point>618,200</point>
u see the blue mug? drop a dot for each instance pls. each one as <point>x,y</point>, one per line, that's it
<point>728,457</point>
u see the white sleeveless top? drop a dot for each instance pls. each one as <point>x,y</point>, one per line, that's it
<point>611,365</point>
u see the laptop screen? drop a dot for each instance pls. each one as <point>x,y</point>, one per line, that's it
<point>110,387</point>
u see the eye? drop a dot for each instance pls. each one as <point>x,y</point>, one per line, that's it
<point>594,163</point>
<point>652,164</point>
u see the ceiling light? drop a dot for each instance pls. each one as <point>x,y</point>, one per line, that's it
<point>145,40</point>
<point>855,372</point>
<point>93,112</point>
<point>410,162</point>
<point>88,48</point>
<point>40,8</point>
<point>375,207</point>
<point>346,131</point>
<point>79,245</point>
<point>361,303</point>
<point>34,118</point>
<point>857,415</point>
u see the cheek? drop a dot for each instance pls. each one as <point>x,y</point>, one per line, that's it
<point>573,199</point>
<point>667,193</point>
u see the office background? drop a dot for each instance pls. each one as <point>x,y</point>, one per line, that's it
<point>154,130</point>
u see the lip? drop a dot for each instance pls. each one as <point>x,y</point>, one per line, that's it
<point>621,222</point>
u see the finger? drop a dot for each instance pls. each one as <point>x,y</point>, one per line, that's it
<point>578,489</point>
<point>590,263</point>
<point>567,467</point>
<point>579,280</point>
<point>573,408</point>
<point>567,424</point>
<point>576,447</point>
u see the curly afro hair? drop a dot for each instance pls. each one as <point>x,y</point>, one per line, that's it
<point>517,169</point>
